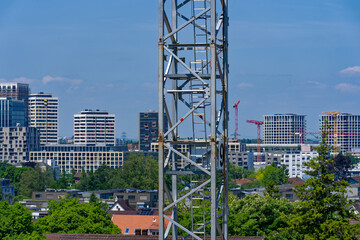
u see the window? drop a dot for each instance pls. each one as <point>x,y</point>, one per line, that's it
<point>131,197</point>
<point>127,230</point>
<point>289,196</point>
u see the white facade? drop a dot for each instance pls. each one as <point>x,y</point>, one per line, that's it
<point>94,128</point>
<point>79,160</point>
<point>277,128</point>
<point>294,162</point>
<point>348,131</point>
<point>44,116</point>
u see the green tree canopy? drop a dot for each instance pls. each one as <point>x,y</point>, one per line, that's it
<point>324,211</point>
<point>35,180</point>
<point>256,215</point>
<point>14,220</point>
<point>70,216</point>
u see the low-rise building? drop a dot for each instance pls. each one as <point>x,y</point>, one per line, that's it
<point>79,157</point>
<point>139,198</point>
<point>294,162</point>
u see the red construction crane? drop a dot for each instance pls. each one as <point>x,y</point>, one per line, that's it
<point>258,123</point>
<point>302,134</point>
<point>236,118</point>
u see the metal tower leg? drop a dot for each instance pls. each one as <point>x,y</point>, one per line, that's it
<point>193,47</point>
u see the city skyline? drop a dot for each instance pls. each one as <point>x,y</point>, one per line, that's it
<point>300,57</point>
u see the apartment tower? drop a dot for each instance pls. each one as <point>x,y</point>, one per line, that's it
<point>284,129</point>
<point>348,131</point>
<point>94,128</point>
<point>149,129</point>
<point>44,116</point>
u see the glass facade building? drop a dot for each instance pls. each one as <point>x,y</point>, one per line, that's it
<point>12,113</point>
<point>149,129</point>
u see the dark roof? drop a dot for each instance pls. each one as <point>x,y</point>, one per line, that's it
<point>125,205</point>
<point>356,179</point>
<point>63,236</point>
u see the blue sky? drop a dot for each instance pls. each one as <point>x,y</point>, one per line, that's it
<point>298,56</point>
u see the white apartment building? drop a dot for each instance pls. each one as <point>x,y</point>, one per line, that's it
<point>78,160</point>
<point>44,116</point>
<point>94,128</point>
<point>348,131</point>
<point>294,162</point>
<point>277,128</point>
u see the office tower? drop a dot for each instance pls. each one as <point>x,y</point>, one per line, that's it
<point>277,128</point>
<point>94,128</point>
<point>17,91</point>
<point>348,131</point>
<point>44,116</point>
<point>12,113</point>
<point>17,142</point>
<point>148,129</point>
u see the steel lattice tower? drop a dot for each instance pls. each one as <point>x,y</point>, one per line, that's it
<point>193,96</point>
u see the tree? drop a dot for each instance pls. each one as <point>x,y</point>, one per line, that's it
<point>70,216</point>
<point>275,175</point>
<point>324,211</point>
<point>35,180</point>
<point>14,220</point>
<point>137,172</point>
<point>341,164</point>
<point>256,215</point>
<point>272,191</point>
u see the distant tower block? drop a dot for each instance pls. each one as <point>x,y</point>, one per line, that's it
<point>44,116</point>
<point>193,94</point>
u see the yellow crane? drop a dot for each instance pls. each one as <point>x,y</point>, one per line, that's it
<point>335,115</point>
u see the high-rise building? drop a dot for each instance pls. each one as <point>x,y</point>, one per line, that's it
<point>149,129</point>
<point>94,128</point>
<point>12,113</point>
<point>44,116</point>
<point>17,91</point>
<point>348,131</point>
<point>17,142</point>
<point>277,128</point>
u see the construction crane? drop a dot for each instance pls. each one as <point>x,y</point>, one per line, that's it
<point>302,134</point>
<point>258,123</point>
<point>335,115</point>
<point>236,118</point>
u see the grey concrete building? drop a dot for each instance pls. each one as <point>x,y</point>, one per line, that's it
<point>277,128</point>
<point>348,131</point>
<point>17,142</point>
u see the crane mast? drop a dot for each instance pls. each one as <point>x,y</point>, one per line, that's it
<point>193,96</point>
<point>258,124</point>
<point>236,118</point>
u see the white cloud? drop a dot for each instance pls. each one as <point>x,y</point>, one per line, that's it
<point>48,79</point>
<point>316,84</point>
<point>351,71</point>
<point>347,87</point>
<point>244,85</point>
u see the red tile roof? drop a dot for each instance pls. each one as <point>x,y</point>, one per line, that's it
<point>295,181</point>
<point>133,222</point>
<point>64,236</point>
<point>243,181</point>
